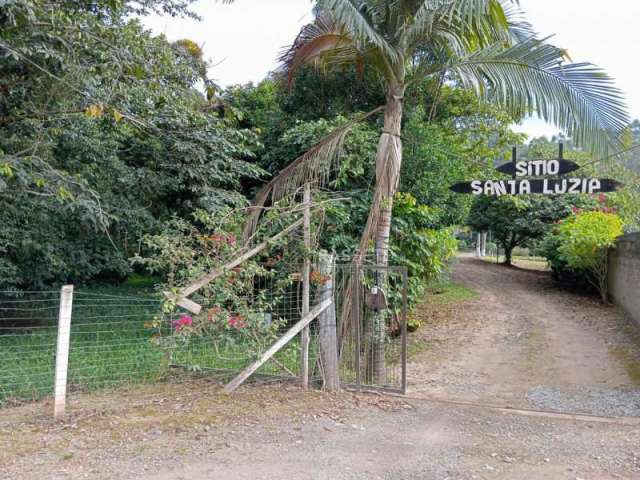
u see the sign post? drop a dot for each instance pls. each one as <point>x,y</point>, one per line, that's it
<point>543,182</point>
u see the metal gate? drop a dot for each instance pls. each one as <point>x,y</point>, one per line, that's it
<point>371,307</point>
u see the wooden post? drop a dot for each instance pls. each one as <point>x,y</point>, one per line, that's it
<point>560,151</point>
<point>306,270</point>
<point>355,318</point>
<point>327,326</point>
<point>62,352</point>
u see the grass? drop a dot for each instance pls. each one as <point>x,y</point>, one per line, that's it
<point>629,361</point>
<point>448,292</point>
<point>440,298</point>
<point>416,346</point>
<point>114,342</point>
<point>528,262</point>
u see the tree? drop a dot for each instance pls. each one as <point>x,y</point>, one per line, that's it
<point>515,221</point>
<point>619,166</point>
<point>481,44</point>
<point>585,239</point>
<point>104,135</point>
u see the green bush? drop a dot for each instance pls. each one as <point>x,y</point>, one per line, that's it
<point>582,242</point>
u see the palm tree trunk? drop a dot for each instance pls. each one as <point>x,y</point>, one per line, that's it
<point>388,162</point>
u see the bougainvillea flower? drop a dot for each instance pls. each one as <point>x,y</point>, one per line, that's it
<point>183,321</point>
<point>236,321</point>
<point>212,312</point>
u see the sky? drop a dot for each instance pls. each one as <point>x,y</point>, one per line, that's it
<point>243,40</point>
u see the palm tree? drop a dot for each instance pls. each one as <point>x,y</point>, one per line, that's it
<point>483,45</point>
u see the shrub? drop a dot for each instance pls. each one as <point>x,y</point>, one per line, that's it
<point>583,242</point>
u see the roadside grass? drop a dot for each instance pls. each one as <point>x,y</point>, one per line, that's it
<point>440,299</point>
<point>630,363</point>
<point>448,292</point>
<point>526,262</point>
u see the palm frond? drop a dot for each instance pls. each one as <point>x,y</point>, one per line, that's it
<point>531,77</point>
<point>350,14</point>
<point>313,44</point>
<point>314,166</point>
<point>519,28</point>
<point>464,24</point>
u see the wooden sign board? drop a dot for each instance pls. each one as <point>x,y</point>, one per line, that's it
<point>544,186</point>
<point>537,168</point>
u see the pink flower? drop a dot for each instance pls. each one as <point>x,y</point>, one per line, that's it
<point>236,321</point>
<point>231,240</point>
<point>602,198</point>
<point>212,312</point>
<point>183,321</point>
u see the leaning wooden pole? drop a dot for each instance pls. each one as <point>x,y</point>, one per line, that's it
<point>306,270</point>
<point>282,341</point>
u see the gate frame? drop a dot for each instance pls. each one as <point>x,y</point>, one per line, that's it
<point>356,325</point>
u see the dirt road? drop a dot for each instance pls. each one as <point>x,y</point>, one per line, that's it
<point>522,344</point>
<point>525,343</point>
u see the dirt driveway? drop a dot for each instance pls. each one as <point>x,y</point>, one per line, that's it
<point>522,345</point>
<point>525,343</point>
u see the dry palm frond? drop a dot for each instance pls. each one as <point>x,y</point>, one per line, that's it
<point>314,166</point>
<point>387,174</point>
<point>320,43</point>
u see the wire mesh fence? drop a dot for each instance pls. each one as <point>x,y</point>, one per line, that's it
<point>119,341</point>
<point>28,333</point>
<point>232,334</point>
<point>111,342</point>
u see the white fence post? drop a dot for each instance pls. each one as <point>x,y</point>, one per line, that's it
<point>306,267</point>
<point>62,352</point>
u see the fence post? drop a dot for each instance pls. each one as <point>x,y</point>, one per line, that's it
<point>304,336</point>
<point>355,317</point>
<point>62,351</point>
<point>327,325</point>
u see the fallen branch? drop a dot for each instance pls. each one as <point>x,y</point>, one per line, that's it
<point>195,308</point>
